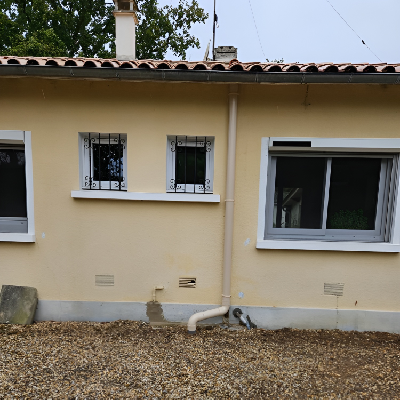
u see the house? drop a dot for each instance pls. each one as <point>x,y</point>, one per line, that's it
<point>143,189</point>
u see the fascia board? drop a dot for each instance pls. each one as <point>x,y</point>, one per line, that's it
<point>142,74</point>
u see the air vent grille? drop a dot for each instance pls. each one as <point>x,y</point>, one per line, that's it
<point>333,289</point>
<point>104,280</point>
<point>187,282</point>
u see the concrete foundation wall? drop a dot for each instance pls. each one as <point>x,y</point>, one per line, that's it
<point>264,317</point>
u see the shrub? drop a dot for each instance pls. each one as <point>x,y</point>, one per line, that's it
<point>346,219</point>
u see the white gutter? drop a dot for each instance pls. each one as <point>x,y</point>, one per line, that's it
<point>229,208</point>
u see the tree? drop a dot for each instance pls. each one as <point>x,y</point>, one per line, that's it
<point>9,31</point>
<point>44,42</point>
<point>166,28</point>
<point>87,28</point>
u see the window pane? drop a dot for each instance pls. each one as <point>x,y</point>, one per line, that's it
<point>12,183</point>
<point>299,189</point>
<point>108,162</point>
<point>353,193</point>
<point>191,163</point>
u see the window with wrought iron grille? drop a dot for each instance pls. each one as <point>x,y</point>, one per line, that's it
<point>190,164</point>
<point>103,161</point>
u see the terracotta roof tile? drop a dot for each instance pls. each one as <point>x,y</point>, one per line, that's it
<point>233,65</point>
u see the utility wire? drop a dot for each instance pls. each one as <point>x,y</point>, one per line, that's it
<point>259,40</point>
<point>337,12</point>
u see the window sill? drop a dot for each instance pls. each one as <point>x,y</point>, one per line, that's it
<point>136,196</point>
<point>17,237</point>
<point>330,246</point>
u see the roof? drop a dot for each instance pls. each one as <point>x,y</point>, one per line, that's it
<point>200,71</point>
<point>233,65</point>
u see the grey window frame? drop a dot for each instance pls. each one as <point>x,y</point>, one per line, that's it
<point>9,232</point>
<point>381,232</point>
<point>13,224</point>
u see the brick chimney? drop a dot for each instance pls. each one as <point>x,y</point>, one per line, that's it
<point>125,24</point>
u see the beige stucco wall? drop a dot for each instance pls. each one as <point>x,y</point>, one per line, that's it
<point>154,243</point>
<point>296,278</point>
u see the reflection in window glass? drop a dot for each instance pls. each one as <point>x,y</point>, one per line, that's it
<point>353,194</point>
<point>107,162</point>
<point>299,188</point>
<point>12,183</point>
<point>191,165</point>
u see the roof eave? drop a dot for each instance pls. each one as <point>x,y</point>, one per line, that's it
<point>145,74</point>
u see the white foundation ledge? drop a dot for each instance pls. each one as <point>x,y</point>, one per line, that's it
<point>327,246</point>
<point>17,237</point>
<point>137,196</point>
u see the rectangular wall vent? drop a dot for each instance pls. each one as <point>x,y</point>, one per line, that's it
<point>187,282</point>
<point>333,289</point>
<point>104,280</point>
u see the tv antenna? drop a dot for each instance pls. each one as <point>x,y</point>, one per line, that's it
<point>215,22</point>
<point>207,52</point>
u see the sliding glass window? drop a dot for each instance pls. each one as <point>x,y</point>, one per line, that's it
<point>335,197</point>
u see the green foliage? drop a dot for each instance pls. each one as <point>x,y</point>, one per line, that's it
<point>9,32</point>
<point>349,220</point>
<point>43,43</point>
<point>166,28</point>
<point>86,28</point>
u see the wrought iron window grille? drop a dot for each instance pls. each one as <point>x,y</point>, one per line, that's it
<point>190,168</point>
<point>103,158</point>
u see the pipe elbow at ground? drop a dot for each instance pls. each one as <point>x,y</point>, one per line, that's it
<point>195,318</point>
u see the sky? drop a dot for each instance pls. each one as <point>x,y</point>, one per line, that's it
<point>302,31</point>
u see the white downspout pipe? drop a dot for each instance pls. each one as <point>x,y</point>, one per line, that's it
<point>229,208</point>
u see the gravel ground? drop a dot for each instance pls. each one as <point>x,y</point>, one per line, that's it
<point>125,359</point>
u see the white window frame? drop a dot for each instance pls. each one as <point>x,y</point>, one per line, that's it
<point>381,240</point>
<point>22,138</point>
<point>190,141</point>
<point>86,162</point>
